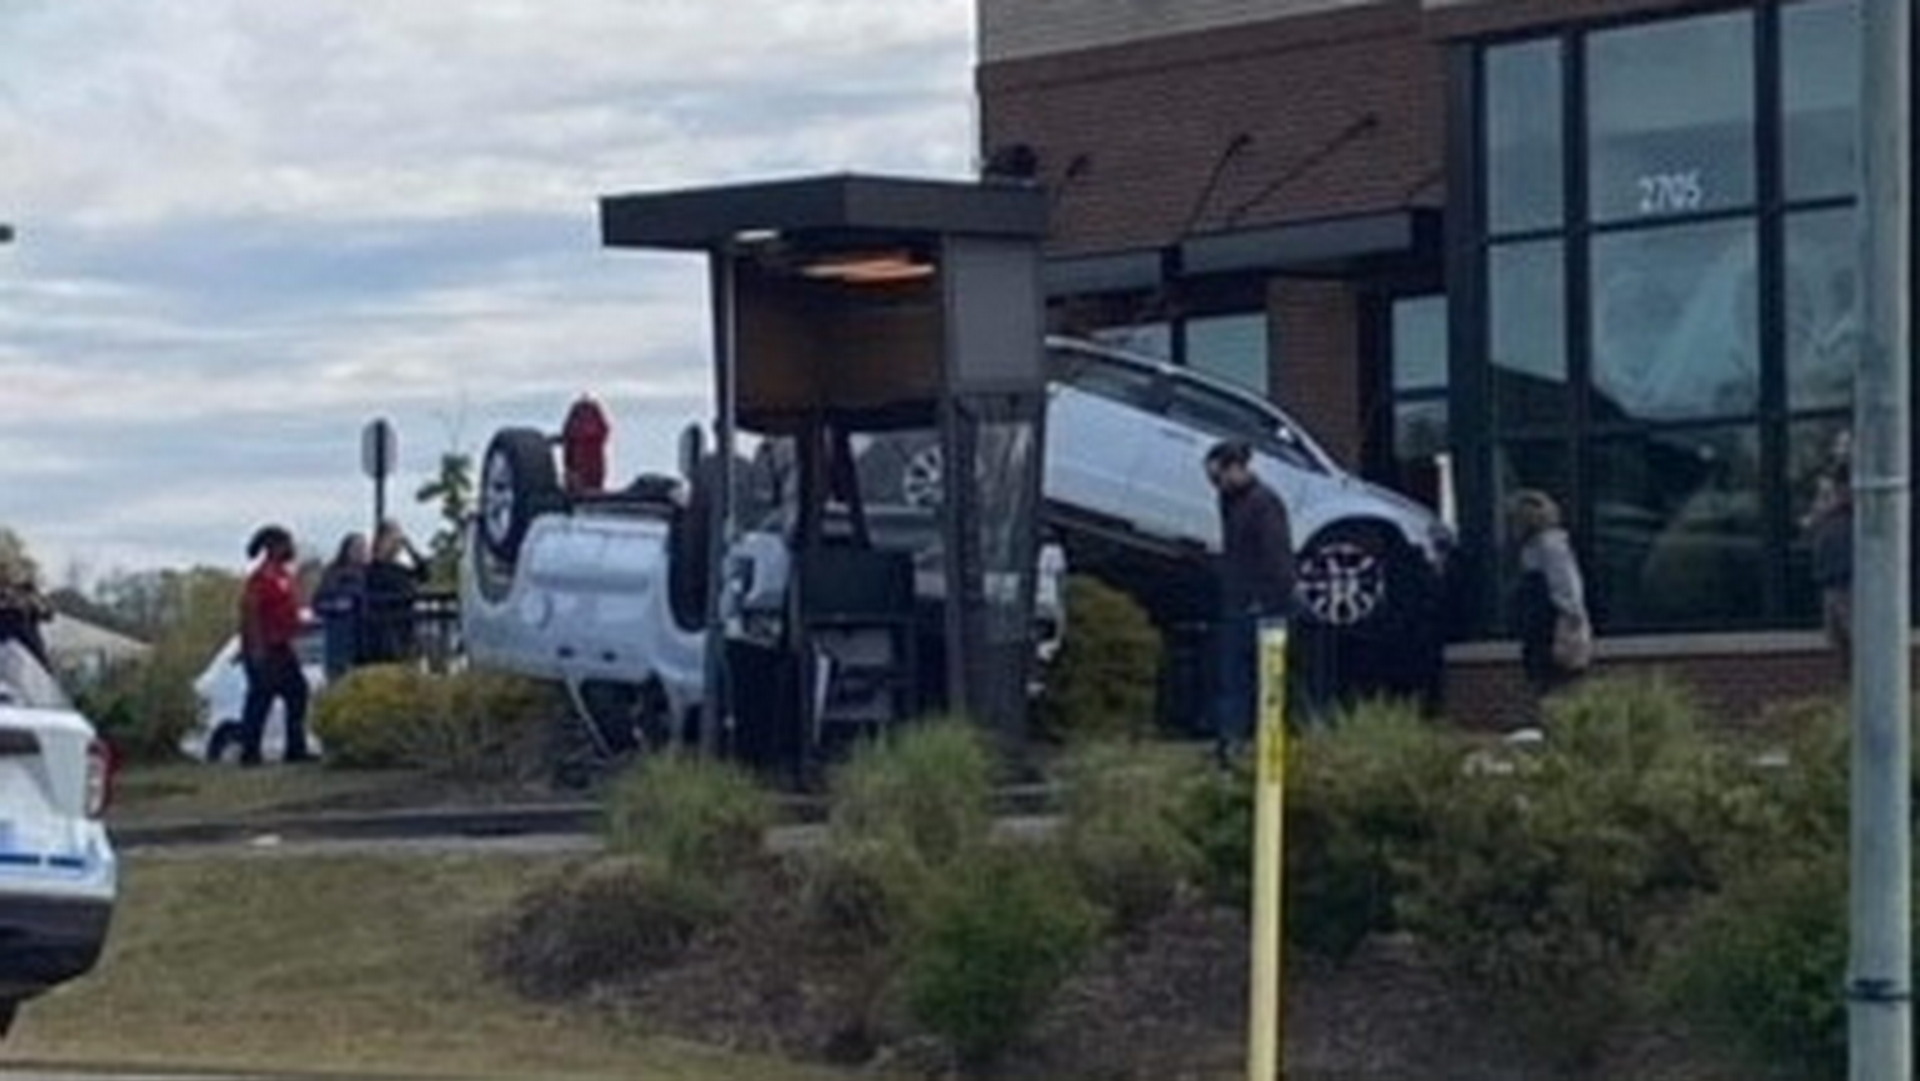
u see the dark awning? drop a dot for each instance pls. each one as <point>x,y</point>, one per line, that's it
<point>1329,246</point>
<point>704,219</point>
<point>1116,272</point>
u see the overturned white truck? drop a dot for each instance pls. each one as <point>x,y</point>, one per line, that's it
<point>607,593</point>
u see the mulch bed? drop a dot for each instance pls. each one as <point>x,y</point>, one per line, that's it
<point>1167,1003</point>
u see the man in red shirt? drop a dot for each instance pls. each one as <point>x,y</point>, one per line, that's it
<point>269,624</point>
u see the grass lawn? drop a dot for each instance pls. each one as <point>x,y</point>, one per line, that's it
<point>335,964</point>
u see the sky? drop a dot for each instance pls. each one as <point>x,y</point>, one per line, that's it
<point>247,227</point>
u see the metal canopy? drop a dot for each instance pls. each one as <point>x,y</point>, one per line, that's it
<point>869,304</point>
<point>706,219</point>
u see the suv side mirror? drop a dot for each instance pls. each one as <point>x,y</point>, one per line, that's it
<point>693,448</point>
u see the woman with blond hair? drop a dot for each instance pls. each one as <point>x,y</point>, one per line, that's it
<point>1556,637</point>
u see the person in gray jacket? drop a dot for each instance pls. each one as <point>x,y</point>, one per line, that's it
<point>1556,636</point>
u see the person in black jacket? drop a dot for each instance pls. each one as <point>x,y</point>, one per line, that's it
<point>393,582</point>
<point>1256,583</point>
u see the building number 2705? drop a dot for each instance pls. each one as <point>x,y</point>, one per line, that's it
<point>1672,193</point>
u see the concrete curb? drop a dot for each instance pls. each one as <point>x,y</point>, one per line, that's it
<point>512,820</point>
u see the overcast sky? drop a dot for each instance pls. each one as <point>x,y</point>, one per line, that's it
<point>247,226</point>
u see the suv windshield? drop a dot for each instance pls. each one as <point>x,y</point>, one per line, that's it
<point>25,683</point>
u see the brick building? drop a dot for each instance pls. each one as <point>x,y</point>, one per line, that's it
<point>1599,247</point>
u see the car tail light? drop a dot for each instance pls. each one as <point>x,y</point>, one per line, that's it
<point>99,778</point>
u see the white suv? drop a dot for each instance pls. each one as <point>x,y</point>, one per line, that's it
<point>58,874</point>
<point>1125,441</point>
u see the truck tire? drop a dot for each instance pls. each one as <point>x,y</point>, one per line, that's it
<point>518,483</point>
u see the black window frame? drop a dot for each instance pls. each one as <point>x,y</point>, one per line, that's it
<point>1471,242</point>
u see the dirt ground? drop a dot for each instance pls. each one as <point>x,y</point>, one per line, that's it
<point>1168,1004</point>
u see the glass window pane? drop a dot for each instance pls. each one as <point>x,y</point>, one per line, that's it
<point>1672,117</point>
<point>1675,323</point>
<point>1822,309</point>
<point>1232,348</point>
<point>1527,333</point>
<point>1419,429</point>
<point>1420,343</point>
<point>1147,339</point>
<point>1112,379</point>
<point>1815,448</point>
<point>1523,136</point>
<point>1218,414</point>
<point>1820,92</point>
<point>1678,536</point>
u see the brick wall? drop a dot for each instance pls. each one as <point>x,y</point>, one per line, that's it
<point>1316,374</point>
<point>1735,685</point>
<point>1014,28</point>
<point>1153,118</point>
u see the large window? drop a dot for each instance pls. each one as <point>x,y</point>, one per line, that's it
<point>1234,347</point>
<point>1666,300</point>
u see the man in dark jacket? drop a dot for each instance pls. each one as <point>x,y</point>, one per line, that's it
<point>1256,583</point>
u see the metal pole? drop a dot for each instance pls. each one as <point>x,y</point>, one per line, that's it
<point>720,534</point>
<point>1266,1031</point>
<point>1879,1013</point>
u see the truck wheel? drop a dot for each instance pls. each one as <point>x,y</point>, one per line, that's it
<point>1345,577</point>
<point>518,483</point>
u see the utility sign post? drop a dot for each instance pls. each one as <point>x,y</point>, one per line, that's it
<point>379,453</point>
<point>1879,976</point>
<point>1266,1043</point>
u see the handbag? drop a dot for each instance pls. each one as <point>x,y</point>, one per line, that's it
<point>1572,643</point>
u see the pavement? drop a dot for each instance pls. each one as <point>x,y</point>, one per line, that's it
<point>780,839</point>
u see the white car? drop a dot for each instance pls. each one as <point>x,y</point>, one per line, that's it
<point>221,689</point>
<point>607,594</point>
<point>1126,439</point>
<point>58,873</point>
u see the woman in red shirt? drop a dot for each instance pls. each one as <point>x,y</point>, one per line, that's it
<point>269,624</point>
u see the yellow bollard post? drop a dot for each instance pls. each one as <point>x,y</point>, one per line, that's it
<point>1265,1029</point>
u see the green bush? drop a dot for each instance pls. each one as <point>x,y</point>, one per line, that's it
<point>1550,880</point>
<point>145,708</point>
<point>901,813</point>
<point>470,725</point>
<point>1761,966</point>
<point>1106,679</point>
<point>692,817</point>
<point>994,947</point>
<point>1361,794</point>
<point>607,920</point>
<point>1121,833</point>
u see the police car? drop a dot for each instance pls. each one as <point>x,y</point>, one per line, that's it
<point>58,873</point>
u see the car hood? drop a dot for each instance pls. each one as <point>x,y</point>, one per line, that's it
<point>1417,517</point>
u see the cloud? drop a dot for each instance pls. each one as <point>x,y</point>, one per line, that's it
<point>246,228</point>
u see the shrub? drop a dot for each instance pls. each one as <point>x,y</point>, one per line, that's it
<point>1121,832</point>
<point>902,812</point>
<point>1361,794</point>
<point>1106,679</point>
<point>470,725</point>
<point>993,947</point>
<point>593,924</point>
<point>692,817</point>
<point>146,707</point>
<point>1762,963</point>
<point>1549,882</point>
<point>362,719</point>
